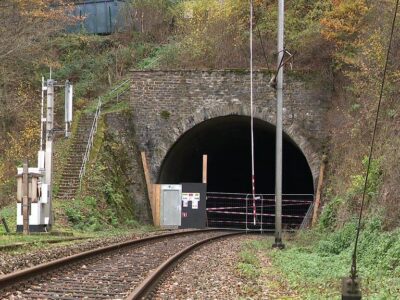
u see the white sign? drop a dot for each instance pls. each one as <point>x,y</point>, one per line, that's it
<point>191,196</point>
<point>195,204</point>
<point>194,197</point>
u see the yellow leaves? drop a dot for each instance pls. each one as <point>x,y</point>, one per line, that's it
<point>212,10</point>
<point>21,143</point>
<point>50,63</point>
<point>214,33</point>
<point>373,49</point>
<point>344,20</point>
<point>42,10</point>
<point>395,76</point>
<point>2,172</point>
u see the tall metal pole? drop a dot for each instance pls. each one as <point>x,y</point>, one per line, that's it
<point>49,146</point>
<point>253,177</point>
<point>279,106</point>
<point>41,117</point>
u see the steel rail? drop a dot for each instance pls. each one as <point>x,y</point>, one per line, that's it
<point>11,279</point>
<point>149,284</point>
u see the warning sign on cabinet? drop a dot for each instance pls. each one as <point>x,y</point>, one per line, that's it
<point>190,196</point>
<point>193,197</point>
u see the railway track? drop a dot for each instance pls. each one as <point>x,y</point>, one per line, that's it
<point>126,270</point>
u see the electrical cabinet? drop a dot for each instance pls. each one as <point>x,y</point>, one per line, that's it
<point>170,205</point>
<point>37,199</point>
<point>194,205</point>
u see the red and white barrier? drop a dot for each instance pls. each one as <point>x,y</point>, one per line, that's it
<point>251,213</point>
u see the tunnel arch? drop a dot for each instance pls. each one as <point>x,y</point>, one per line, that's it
<point>226,140</point>
<point>172,135</point>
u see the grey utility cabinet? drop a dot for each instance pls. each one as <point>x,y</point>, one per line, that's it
<point>170,208</point>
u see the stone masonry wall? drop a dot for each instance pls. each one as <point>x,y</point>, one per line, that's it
<point>128,170</point>
<point>168,103</point>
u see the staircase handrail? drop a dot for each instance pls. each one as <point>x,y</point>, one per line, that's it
<point>111,94</point>
<point>93,129</point>
<point>89,144</point>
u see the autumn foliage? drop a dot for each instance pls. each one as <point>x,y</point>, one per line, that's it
<point>25,27</point>
<point>344,21</point>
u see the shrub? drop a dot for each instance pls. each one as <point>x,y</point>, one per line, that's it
<point>337,241</point>
<point>329,214</point>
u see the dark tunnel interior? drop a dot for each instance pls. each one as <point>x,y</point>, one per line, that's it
<point>226,141</point>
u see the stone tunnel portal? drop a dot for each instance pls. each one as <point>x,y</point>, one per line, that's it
<point>226,141</point>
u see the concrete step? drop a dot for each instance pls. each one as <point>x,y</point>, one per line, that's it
<point>72,169</point>
<point>77,160</point>
<point>68,193</point>
<point>69,182</point>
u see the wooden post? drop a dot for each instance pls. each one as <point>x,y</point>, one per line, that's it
<point>156,204</point>
<point>151,188</point>
<point>205,158</point>
<point>25,199</point>
<point>319,191</point>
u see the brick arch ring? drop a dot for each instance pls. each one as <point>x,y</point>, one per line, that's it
<point>172,133</point>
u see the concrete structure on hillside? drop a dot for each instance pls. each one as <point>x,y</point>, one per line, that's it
<point>99,16</point>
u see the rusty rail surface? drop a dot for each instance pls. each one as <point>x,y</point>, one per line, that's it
<point>76,276</point>
<point>149,285</point>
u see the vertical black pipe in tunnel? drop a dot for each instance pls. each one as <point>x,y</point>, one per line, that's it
<point>226,141</point>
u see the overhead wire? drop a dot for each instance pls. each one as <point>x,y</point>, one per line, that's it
<point>259,35</point>
<point>353,271</point>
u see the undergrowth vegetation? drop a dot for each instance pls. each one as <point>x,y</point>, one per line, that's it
<point>249,265</point>
<point>316,261</point>
<point>91,214</point>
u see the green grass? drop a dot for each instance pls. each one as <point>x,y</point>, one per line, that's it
<point>37,242</point>
<point>86,227</point>
<point>7,239</point>
<point>9,213</point>
<point>111,96</point>
<point>248,266</point>
<point>117,107</point>
<point>315,270</point>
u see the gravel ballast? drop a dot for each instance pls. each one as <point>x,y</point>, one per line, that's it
<point>10,262</point>
<point>208,273</point>
<point>211,272</point>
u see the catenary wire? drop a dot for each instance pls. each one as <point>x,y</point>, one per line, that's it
<point>354,256</point>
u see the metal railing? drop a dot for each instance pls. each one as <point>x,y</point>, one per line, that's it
<point>120,89</point>
<point>114,93</point>
<point>89,144</point>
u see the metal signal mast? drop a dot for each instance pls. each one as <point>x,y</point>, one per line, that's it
<point>279,107</point>
<point>34,190</point>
